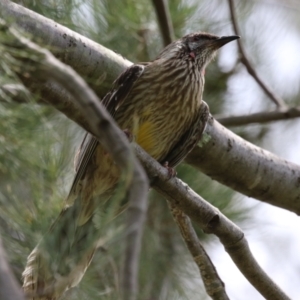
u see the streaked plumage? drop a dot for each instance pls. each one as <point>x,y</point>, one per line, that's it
<point>160,103</point>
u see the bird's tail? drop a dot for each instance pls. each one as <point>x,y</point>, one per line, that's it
<point>60,260</point>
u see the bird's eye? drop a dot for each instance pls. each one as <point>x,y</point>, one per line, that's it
<point>196,38</point>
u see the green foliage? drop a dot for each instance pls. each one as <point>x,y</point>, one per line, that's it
<point>35,162</point>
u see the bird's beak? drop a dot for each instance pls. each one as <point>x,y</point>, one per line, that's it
<point>218,43</point>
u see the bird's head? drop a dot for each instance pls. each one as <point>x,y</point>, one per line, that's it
<point>205,44</point>
<point>199,47</point>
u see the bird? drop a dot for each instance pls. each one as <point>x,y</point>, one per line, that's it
<point>160,104</point>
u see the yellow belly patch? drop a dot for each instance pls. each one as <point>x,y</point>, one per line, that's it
<point>145,136</point>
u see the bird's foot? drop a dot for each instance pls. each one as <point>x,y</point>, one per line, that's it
<point>129,135</point>
<point>171,171</point>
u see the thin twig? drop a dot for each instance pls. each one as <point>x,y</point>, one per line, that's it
<point>211,221</point>
<point>214,286</point>
<point>9,288</point>
<point>113,139</point>
<point>244,59</point>
<point>164,20</point>
<point>16,92</point>
<point>261,117</point>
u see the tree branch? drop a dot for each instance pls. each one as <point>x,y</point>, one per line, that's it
<point>113,139</point>
<point>211,220</point>
<point>9,288</point>
<point>244,59</point>
<point>246,168</point>
<point>214,286</point>
<point>164,20</point>
<point>261,117</point>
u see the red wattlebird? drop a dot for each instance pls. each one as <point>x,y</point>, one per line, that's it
<point>160,103</point>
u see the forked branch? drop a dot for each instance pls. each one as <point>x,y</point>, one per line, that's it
<point>213,221</point>
<point>214,286</point>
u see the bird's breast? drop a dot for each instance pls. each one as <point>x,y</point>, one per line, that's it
<point>145,136</point>
<point>160,108</point>
<point>158,132</point>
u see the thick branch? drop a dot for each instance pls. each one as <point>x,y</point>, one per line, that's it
<point>244,59</point>
<point>164,20</point>
<point>9,288</point>
<point>246,168</point>
<point>262,117</point>
<point>211,221</point>
<point>213,284</point>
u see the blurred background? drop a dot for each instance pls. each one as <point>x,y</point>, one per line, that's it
<point>37,146</point>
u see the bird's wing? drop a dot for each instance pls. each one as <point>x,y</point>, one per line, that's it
<point>189,139</point>
<point>122,86</point>
<point>112,101</point>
